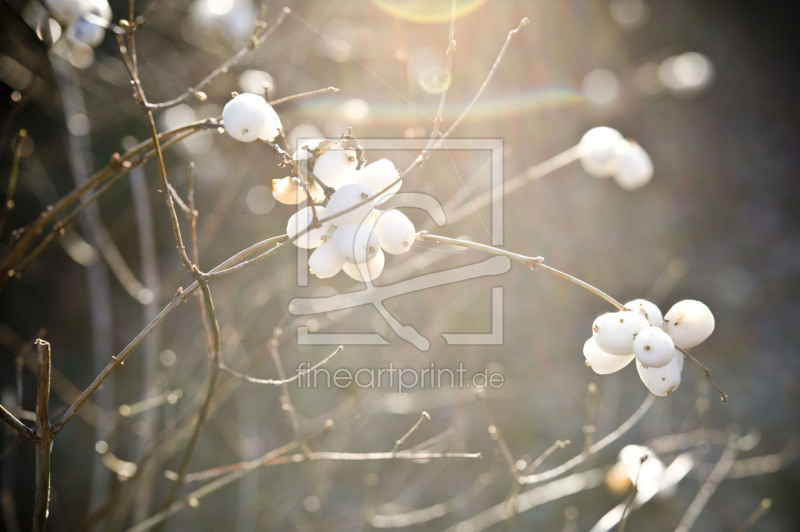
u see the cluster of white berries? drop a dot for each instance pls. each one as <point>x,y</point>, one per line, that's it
<point>248,117</point>
<point>642,333</point>
<point>357,234</point>
<point>604,152</point>
<point>85,20</point>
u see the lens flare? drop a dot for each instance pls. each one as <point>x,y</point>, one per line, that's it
<point>427,11</point>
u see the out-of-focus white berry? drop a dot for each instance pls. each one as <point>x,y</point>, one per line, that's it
<point>688,322</point>
<point>653,347</point>
<point>648,310</point>
<point>245,116</point>
<point>88,27</point>
<point>336,167</point>
<point>356,242</point>
<point>66,11</point>
<point>396,231</point>
<point>601,362</point>
<point>598,153</point>
<point>635,167</point>
<point>288,191</point>
<point>300,221</point>
<point>646,473</point>
<point>325,261</point>
<point>346,197</point>
<point>272,125</point>
<point>661,381</point>
<point>372,268</point>
<point>614,331</point>
<point>379,175</point>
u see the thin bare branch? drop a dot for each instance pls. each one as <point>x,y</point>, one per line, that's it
<point>602,444</point>
<point>44,437</point>
<point>410,431</point>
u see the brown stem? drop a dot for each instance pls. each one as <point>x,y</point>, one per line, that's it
<point>44,436</point>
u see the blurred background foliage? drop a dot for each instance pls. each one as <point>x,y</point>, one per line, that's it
<point>719,223</point>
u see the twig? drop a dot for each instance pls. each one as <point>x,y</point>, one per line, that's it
<point>12,179</point>
<point>515,183</point>
<point>575,483</point>
<point>302,95</point>
<point>286,399</point>
<point>260,35</point>
<point>559,444</point>
<point>450,53</point>
<point>623,521</point>
<point>194,497</point>
<point>533,263</point>
<point>758,513</point>
<point>708,488</point>
<point>15,423</point>
<point>44,437</point>
<point>271,245</point>
<point>410,431</point>
<point>293,378</point>
<point>707,374</point>
<point>497,436</point>
<point>608,440</point>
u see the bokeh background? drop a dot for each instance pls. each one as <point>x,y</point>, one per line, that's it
<point>719,223</point>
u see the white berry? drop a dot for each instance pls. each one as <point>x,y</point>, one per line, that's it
<point>300,221</point>
<point>653,347</point>
<point>347,197</point>
<point>647,309</point>
<point>396,231</point>
<point>688,322</point>
<point>325,261</point>
<point>661,381</point>
<point>356,242</point>
<point>614,331</point>
<point>372,268</point>
<point>272,125</point>
<point>336,167</point>
<point>286,190</point>
<point>597,151</point>
<point>245,116</point>
<point>601,362</point>
<point>379,175</point>
<point>635,168</point>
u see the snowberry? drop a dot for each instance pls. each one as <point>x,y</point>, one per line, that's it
<point>86,27</point>
<point>597,151</point>
<point>661,381</point>
<point>614,331</point>
<point>288,191</point>
<point>653,347</point>
<point>601,362</point>
<point>300,221</point>
<point>356,242</point>
<point>325,261</point>
<point>245,117</point>
<point>635,169</point>
<point>396,231</point>
<point>647,309</point>
<point>647,473</point>
<point>272,124</point>
<point>336,167</point>
<point>379,175</point>
<point>372,268</point>
<point>688,322</point>
<point>66,11</point>
<point>347,197</point>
